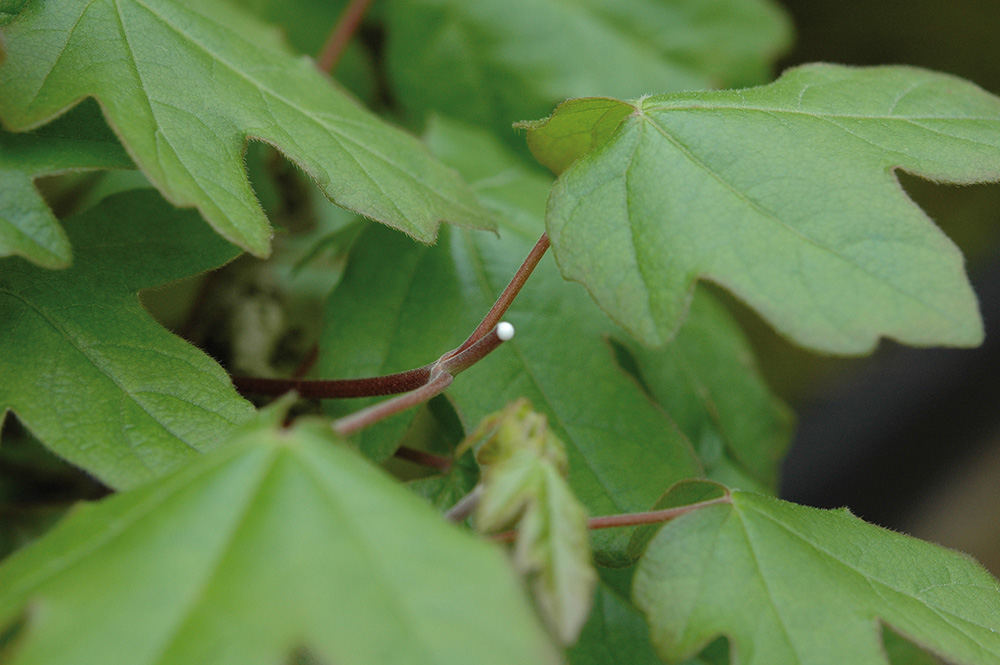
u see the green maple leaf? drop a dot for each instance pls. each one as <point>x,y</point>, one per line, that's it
<point>624,451</point>
<point>185,86</point>
<point>530,55</point>
<point>89,372</point>
<point>790,585</point>
<point>783,194</point>
<point>282,541</point>
<point>76,142</point>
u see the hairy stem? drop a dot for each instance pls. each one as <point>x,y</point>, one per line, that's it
<point>372,386</point>
<point>369,416</point>
<point>442,373</point>
<point>453,362</point>
<point>401,382</point>
<point>341,35</point>
<point>509,293</point>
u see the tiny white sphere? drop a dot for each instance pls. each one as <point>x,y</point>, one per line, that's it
<point>505,331</point>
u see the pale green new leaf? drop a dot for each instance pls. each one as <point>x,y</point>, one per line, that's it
<point>283,541</point>
<point>186,84</point>
<point>28,227</point>
<point>88,371</point>
<point>496,63</point>
<point>523,484</point>
<point>790,585</point>
<point>400,305</point>
<point>785,195</point>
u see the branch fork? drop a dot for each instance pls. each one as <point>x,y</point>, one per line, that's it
<point>417,385</point>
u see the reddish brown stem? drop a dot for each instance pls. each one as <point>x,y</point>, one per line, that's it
<point>372,386</point>
<point>423,458</point>
<point>442,373</point>
<point>341,35</point>
<point>393,384</point>
<point>369,416</point>
<point>632,519</point>
<point>455,362</point>
<point>499,308</point>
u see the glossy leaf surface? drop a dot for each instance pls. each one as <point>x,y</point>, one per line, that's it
<point>283,541</point>
<point>785,195</point>
<point>88,371</point>
<point>185,85</point>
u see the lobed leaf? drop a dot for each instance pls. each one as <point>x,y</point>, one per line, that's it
<point>185,85</point>
<point>88,371</point>
<point>785,195</point>
<point>529,55</point>
<point>282,541</point>
<point>791,585</point>
<point>28,227</point>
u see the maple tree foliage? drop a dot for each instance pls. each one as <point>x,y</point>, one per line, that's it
<point>622,440</point>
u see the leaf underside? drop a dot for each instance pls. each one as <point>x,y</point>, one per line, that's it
<point>283,541</point>
<point>186,85</point>
<point>791,585</point>
<point>785,195</point>
<point>88,371</point>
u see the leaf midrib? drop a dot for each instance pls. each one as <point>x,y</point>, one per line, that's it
<point>817,244</point>
<point>667,108</point>
<point>870,580</point>
<point>318,120</point>
<point>103,371</point>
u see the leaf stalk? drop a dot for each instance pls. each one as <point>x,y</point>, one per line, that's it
<point>341,35</point>
<point>632,519</point>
